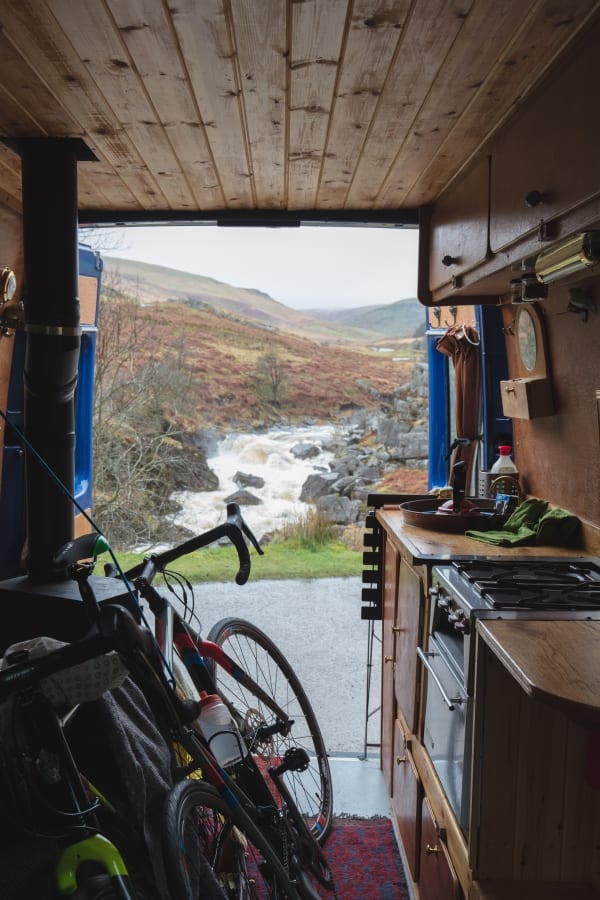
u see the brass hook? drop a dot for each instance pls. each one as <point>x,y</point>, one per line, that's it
<point>453,310</point>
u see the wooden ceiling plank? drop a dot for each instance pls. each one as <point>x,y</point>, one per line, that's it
<point>428,37</point>
<point>543,38</point>
<point>34,30</point>
<point>10,176</point>
<point>36,109</point>
<point>317,31</point>
<point>206,42</point>
<point>96,183</point>
<point>372,40</point>
<point>148,32</point>
<point>260,31</point>
<point>485,33</point>
<point>98,42</point>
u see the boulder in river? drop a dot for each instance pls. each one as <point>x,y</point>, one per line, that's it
<point>244,498</point>
<point>244,480</point>
<point>305,450</point>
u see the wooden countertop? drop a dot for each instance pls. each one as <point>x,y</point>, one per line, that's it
<point>422,545</point>
<point>555,661</point>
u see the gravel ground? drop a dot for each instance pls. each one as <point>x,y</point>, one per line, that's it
<point>316,624</point>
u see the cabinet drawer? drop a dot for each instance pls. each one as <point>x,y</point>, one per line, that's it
<point>527,398</point>
<point>406,800</point>
<point>437,878</point>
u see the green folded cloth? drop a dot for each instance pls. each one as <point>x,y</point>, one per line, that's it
<point>534,523</point>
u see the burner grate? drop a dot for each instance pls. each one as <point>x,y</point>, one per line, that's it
<point>535,584</point>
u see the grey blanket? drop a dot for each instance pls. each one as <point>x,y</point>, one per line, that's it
<point>144,761</point>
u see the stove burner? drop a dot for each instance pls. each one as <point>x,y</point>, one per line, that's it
<point>582,596</point>
<point>535,584</point>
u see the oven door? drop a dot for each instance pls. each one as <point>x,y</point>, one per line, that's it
<point>447,728</point>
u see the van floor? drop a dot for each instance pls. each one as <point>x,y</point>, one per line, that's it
<point>358,786</point>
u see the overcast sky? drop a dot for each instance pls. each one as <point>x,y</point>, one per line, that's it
<point>302,267</point>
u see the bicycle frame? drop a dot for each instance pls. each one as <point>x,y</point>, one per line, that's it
<point>171,631</point>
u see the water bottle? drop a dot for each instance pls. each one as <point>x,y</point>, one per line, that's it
<point>220,731</point>
<point>504,464</point>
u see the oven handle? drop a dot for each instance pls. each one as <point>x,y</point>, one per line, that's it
<point>423,656</point>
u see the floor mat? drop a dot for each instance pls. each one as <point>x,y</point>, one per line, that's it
<point>364,858</point>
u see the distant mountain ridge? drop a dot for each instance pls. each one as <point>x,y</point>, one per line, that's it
<point>399,319</point>
<point>154,284</point>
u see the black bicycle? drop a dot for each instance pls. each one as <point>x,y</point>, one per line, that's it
<point>236,829</point>
<point>282,777</point>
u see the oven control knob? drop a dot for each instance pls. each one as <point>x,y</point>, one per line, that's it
<point>462,625</point>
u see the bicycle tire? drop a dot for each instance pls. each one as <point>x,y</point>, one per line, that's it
<point>256,653</point>
<point>201,831</point>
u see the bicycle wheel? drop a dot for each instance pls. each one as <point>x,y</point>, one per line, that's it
<point>254,652</point>
<point>202,833</point>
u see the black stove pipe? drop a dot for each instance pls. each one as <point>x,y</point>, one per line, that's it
<point>51,308</point>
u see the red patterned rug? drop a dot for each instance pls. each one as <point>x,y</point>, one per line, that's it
<point>365,860</point>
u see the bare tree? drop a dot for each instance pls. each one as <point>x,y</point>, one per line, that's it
<point>139,457</point>
<point>270,378</point>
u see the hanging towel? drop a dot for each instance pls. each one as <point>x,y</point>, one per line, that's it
<point>533,522</point>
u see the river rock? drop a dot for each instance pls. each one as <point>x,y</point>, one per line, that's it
<point>338,509</point>
<point>305,450</point>
<point>207,440</point>
<point>317,485</point>
<point>244,498</point>
<point>244,480</point>
<point>345,485</point>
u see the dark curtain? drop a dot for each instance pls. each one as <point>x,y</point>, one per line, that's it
<point>461,344</point>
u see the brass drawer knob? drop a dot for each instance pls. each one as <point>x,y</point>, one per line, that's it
<point>429,849</point>
<point>388,659</point>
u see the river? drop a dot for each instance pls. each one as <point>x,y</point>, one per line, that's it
<point>268,456</point>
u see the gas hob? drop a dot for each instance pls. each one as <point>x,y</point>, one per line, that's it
<point>544,585</point>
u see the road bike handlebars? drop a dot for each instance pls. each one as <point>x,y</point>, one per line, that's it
<point>234,528</point>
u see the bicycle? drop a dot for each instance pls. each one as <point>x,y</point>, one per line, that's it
<point>288,856</point>
<point>267,728</point>
<point>70,806</point>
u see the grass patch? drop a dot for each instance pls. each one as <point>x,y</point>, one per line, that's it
<point>284,559</point>
<point>309,531</point>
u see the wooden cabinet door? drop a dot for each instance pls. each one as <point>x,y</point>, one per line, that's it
<point>406,800</point>
<point>407,629</point>
<point>437,879</point>
<point>459,227</point>
<point>551,148</point>
<point>391,562</point>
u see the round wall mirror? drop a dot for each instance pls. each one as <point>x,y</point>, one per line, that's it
<point>527,338</point>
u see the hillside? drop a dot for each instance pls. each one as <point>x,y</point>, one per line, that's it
<point>213,359</point>
<point>153,284</point>
<point>400,319</point>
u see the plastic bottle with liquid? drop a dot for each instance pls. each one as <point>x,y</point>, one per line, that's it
<point>220,731</point>
<point>504,464</point>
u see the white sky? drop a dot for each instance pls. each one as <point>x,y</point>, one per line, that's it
<point>304,268</point>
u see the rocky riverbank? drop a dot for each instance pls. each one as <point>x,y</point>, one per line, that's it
<point>375,449</point>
